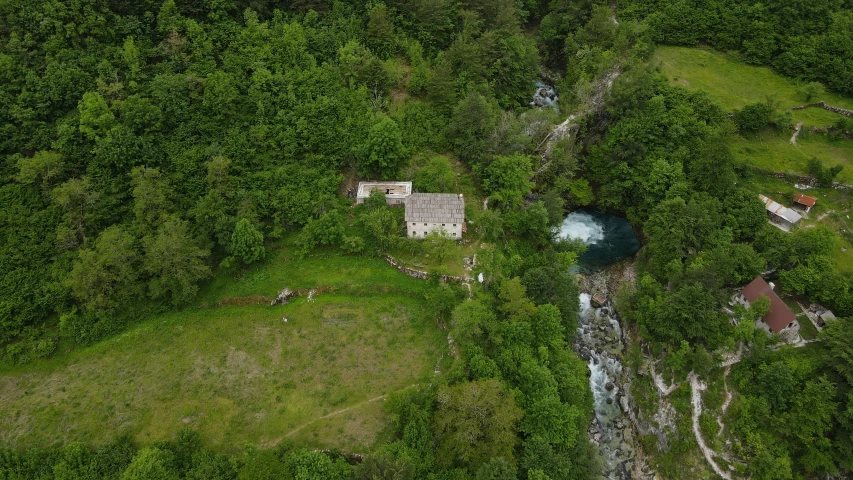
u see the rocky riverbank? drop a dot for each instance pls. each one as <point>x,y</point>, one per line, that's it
<point>601,341</point>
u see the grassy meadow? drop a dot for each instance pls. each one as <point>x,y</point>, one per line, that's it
<point>239,373</point>
<point>326,268</point>
<point>772,151</point>
<point>734,83</point>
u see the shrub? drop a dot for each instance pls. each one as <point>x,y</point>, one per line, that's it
<point>753,117</point>
<point>247,243</point>
<point>352,244</point>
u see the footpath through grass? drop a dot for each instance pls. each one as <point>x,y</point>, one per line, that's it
<point>734,83</point>
<point>239,374</point>
<point>772,150</point>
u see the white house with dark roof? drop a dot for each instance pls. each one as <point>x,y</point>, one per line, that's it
<point>431,212</point>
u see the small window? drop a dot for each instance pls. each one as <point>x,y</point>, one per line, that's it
<point>425,224</point>
<point>413,224</point>
<point>454,234</point>
<point>442,224</point>
<point>454,224</point>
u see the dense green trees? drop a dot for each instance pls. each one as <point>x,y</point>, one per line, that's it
<point>147,142</point>
<point>386,152</point>
<point>213,113</point>
<point>811,41</point>
<point>183,457</point>
<point>474,422</point>
<point>175,262</point>
<point>786,386</point>
<point>106,276</point>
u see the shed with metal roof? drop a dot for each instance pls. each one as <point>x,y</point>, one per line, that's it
<point>779,214</point>
<point>804,201</point>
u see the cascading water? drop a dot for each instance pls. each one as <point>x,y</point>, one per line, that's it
<point>609,238</point>
<point>582,226</point>
<point>544,96</point>
<point>599,341</point>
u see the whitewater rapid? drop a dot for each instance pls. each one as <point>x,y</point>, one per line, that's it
<point>582,226</point>
<point>599,341</point>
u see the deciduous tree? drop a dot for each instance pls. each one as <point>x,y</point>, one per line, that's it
<point>474,422</point>
<point>175,263</point>
<point>247,243</point>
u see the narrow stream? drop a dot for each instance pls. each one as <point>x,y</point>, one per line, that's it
<point>544,96</point>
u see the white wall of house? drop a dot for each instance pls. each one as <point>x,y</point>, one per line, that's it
<point>422,229</point>
<point>391,201</point>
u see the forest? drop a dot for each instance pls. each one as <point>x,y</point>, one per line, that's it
<point>152,149</point>
<point>811,41</point>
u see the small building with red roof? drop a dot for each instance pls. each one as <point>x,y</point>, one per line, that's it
<point>804,201</point>
<point>780,317</point>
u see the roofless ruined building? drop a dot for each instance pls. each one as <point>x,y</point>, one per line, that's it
<point>396,193</point>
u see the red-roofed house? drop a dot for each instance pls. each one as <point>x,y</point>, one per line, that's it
<point>780,317</point>
<point>804,201</point>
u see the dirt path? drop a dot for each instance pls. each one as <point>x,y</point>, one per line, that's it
<point>796,132</point>
<point>726,402</point>
<point>696,388</point>
<point>338,412</point>
<point>824,215</point>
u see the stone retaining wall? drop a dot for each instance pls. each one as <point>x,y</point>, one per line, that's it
<point>825,106</point>
<point>795,177</point>
<point>419,274</point>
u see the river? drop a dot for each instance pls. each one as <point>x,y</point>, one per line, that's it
<point>601,343</point>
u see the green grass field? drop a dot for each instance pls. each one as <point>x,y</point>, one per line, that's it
<point>773,151</point>
<point>239,374</point>
<point>733,83</point>
<point>325,268</point>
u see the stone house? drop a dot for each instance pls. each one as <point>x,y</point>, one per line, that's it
<point>780,319</point>
<point>431,212</point>
<point>396,193</point>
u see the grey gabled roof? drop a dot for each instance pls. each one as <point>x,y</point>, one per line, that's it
<point>435,208</point>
